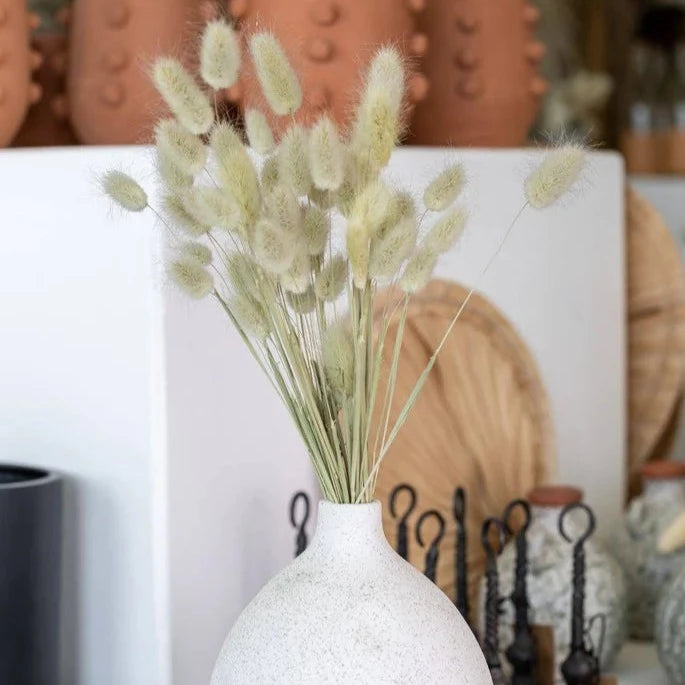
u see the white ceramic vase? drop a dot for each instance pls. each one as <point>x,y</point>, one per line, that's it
<point>350,610</point>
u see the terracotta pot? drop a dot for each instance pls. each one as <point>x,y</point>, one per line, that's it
<point>330,43</point>
<point>111,98</point>
<point>482,67</point>
<point>16,61</point>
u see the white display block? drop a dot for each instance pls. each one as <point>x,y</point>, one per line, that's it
<point>180,460</point>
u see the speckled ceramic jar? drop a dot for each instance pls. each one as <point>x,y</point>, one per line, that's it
<point>635,543</point>
<point>550,580</point>
<point>670,628</point>
<point>350,610</point>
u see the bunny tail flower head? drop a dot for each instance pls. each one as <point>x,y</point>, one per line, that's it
<point>338,360</point>
<point>419,270</point>
<point>184,97</point>
<point>259,132</point>
<point>180,146</point>
<point>443,190</point>
<point>276,76</point>
<point>191,277</point>
<point>219,55</point>
<point>326,155</point>
<point>555,175</point>
<point>446,232</point>
<point>124,190</point>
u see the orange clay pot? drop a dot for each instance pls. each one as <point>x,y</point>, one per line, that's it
<point>110,96</point>
<point>16,61</point>
<point>482,67</point>
<point>330,43</point>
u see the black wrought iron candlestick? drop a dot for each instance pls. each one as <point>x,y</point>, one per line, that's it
<point>402,539</point>
<point>301,537</point>
<point>433,548</point>
<point>521,653</point>
<point>581,667</point>
<point>491,637</point>
<point>460,568</point>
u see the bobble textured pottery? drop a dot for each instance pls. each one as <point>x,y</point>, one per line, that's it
<point>670,629</point>
<point>635,544</point>
<point>350,610</point>
<point>550,578</point>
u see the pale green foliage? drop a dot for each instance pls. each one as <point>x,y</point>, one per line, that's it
<point>197,252</point>
<point>259,132</point>
<point>251,316</point>
<point>446,232</point>
<point>326,155</point>
<point>418,271</point>
<point>555,175</point>
<point>124,190</point>
<point>332,279</point>
<point>316,227</point>
<point>180,146</point>
<point>274,249</point>
<point>277,78</point>
<point>183,96</point>
<point>338,360</point>
<point>444,189</point>
<point>219,55</point>
<point>293,160</point>
<point>191,277</point>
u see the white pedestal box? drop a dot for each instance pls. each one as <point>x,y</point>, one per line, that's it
<point>181,462</point>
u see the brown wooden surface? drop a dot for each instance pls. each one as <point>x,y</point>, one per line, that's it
<point>544,643</point>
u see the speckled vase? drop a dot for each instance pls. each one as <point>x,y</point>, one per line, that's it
<point>350,610</point>
<point>670,628</point>
<point>635,543</point>
<point>550,578</point>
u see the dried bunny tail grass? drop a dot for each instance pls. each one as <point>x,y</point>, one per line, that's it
<point>213,207</point>
<point>259,132</point>
<point>185,98</point>
<point>446,232</point>
<point>555,175</point>
<point>387,70</point>
<point>391,248</point>
<point>197,252</point>
<point>298,277</point>
<point>192,278</point>
<point>237,174</point>
<point>277,78</point>
<point>283,207</point>
<point>357,239</point>
<point>400,206</point>
<point>338,360</point>
<point>331,280</point>
<point>179,145</point>
<point>304,303</point>
<point>242,272</point>
<point>316,226</point>
<point>326,155</point>
<point>250,316</point>
<point>172,176</point>
<point>219,55</point>
<point>370,207</point>
<point>444,189</point>
<point>124,190</point>
<point>418,271</point>
<point>274,249</point>
<point>174,207</point>
<point>269,175</point>
<point>293,160</point>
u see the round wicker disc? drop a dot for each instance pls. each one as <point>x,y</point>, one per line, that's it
<point>481,422</point>
<point>656,332</point>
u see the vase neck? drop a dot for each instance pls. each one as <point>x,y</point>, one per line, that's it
<point>349,526</point>
<point>672,489</point>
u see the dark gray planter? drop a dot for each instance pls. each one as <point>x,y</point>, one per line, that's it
<point>30,564</point>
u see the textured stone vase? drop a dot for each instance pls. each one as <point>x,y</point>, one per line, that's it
<point>635,544</point>
<point>550,579</point>
<point>670,629</point>
<point>350,610</point>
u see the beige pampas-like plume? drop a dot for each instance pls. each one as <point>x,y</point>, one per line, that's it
<point>555,175</point>
<point>444,189</point>
<point>219,55</point>
<point>418,271</point>
<point>259,132</point>
<point>124,190</point>
<point>180,146</point>
<point>326,155</point>
<point>445,234</point>
<point>293,160</point>
<point>191,277</point>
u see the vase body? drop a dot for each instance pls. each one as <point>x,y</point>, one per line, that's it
<point>350,610</point>
<point>30,575</point>
<point>481,65</point>
<point>670,628</point>
<point>550,583</point>
<point>635,545</point>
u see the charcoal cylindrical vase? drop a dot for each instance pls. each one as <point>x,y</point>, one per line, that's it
<point>30,562</point>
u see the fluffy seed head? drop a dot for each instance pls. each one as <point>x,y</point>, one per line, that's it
<point>315,229</point>
<point>198,252</point>
<point>219,55</point>
<point>276,76</point>
<point>326,155</point>
<point>443,190</point>
<point>242,272</point>
<point>418,271</point>
<point>293,160</point>
<point>191,277</point>
<point>331,280</point>
<point>358,251</point>
<point>251,316</point>
<point>283,207</point>
<point>370,207</point>
<point>391,248</point>
<point>174,206</point>
<point>180,146</point>
<point>299,276</point>
<point>269,175</point>
<point>214,207</point>
<point>259,132</point>
<point>444,235</point>
<point>304,303</point>
<point>338,360</point>
<point>183,96</point>
<point>274,249</point>
<point>124,190</point>
<point>555,175</point>
<point>172,176</point>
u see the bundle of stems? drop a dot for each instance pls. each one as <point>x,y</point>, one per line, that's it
<point>294,237</point>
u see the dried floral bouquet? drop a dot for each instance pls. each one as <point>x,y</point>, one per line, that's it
<point>253,229</point>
